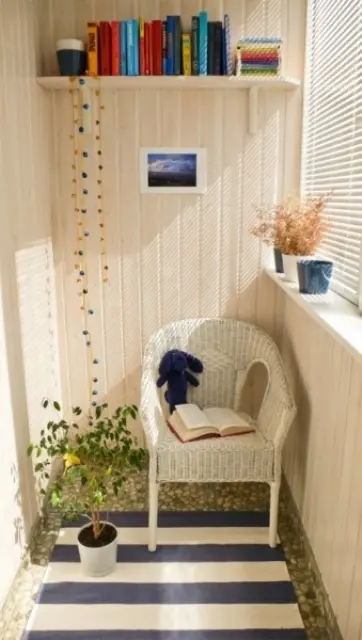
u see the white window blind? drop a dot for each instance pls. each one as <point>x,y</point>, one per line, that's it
<point>332,140</point>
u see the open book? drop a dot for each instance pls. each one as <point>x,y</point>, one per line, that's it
<point>188,422</point>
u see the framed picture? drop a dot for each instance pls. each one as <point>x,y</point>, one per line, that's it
<point>175,170</point>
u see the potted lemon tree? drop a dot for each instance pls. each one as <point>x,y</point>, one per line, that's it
<point>94,466</point>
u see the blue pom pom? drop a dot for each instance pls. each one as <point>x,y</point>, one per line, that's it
<point>88,343</point>
<point>85,332</point>
<point>86,106</point>
<point>85,154</point>
<point>85,192</point>
<point>90,311</point>
<point>81,81</point>
<point>82,273</point>
<point>81,129</point>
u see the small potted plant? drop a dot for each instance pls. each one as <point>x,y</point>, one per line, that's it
<point>295,227</point>
<point>94,464</point>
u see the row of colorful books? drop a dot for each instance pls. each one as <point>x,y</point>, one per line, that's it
<point>258,56</point>
<point>136,47</point>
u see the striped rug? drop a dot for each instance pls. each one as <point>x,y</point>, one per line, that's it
<point>213,577</point>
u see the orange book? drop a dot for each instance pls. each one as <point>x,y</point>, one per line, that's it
<point>93,46</point>
<point>115,26</point>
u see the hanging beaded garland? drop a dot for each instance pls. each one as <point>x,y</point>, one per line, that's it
<point>100,194</point>
<point>82,193</point>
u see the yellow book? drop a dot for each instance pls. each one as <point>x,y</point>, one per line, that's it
<point>93,45</point>
<point>186,53</point>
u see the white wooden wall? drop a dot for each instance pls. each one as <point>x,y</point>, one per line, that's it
<point>323,453</point>
<point>28,342</point>
<point>171,257</point>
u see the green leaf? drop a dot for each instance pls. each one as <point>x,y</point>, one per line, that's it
<point>43,492</point>
<point>56,405</point>
<point>98,412</point>
<point>30,450</point>
<point>38,467</point>
<point>44,403</point>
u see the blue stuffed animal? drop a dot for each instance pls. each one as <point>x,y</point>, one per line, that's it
<point>173,370</point>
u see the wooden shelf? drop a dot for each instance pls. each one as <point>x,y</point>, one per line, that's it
<point>62,83</point>
<point>219,83</point>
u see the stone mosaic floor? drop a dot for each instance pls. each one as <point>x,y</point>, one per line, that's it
<point>178,497</point>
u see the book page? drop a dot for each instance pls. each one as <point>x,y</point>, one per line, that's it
<point>223,418</point>
<point>187,435</point>
<point>193,417</point>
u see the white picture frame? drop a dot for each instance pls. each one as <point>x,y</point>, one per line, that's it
<point>157,176</point>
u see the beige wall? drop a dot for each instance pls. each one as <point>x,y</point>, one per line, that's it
<point>323,453</point>
<point>171,257</point>
<point>28,363</point>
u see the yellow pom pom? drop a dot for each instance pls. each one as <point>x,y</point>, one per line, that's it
<point>70,460</point>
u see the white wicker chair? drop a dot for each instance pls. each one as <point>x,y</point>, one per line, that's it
<point>228,348</point>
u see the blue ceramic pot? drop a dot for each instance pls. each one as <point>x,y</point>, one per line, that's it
<point>314,276</point>
<point>72,58</point>
<point>278,260</point>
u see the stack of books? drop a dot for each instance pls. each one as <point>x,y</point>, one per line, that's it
<point>160,47</point>
<point>258,57</point>
<point>188,422</point>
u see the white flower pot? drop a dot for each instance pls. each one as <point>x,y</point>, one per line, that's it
<point>98,561</point>
<point>290,267</point>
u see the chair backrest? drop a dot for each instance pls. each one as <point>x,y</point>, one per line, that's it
<point>228,349</point>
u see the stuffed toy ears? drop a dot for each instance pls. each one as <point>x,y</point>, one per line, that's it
<point>193,363</point>
<point>165,364</point>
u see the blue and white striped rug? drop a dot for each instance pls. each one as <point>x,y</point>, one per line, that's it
<point>213,577</point>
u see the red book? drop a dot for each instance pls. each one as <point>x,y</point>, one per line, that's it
<point>106,49</point>
<point>157,47</point>
<point>115,26</point>
<point>148,52</point>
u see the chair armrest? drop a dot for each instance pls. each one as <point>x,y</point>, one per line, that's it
<point>275,418</point>
<point>151,413</point>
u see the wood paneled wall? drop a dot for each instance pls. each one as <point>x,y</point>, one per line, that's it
<point>28,336</point>
<point>171,257</point>
<point>323,453</point>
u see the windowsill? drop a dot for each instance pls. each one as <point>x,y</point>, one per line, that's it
<point>338,316</point>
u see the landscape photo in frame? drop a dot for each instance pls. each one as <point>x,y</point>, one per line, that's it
<point>172,170</point>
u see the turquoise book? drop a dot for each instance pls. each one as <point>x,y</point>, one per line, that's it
<point>130,46</point>
<point>203,36</point>
<point>123,48</point>
<point>136,48</point>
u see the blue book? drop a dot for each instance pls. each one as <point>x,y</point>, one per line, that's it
<point>164,48</point>
<point>228,67</point>
<point>123,48</point>
<point>203,42</point>
<point>130,47</point>
<point>136,48</point>
<point>170,33</point>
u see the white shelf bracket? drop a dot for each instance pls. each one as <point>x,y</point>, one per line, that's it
<point>253,110</point>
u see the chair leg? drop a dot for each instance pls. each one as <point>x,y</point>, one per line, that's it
<point>273,521</point>
<point>152,515</point>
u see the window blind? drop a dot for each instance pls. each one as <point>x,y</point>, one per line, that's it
<point>332,138</point>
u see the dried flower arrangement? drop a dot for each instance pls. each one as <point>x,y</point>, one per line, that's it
<point>295,226</point>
